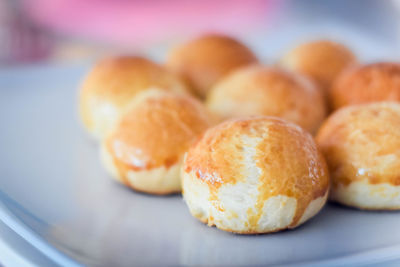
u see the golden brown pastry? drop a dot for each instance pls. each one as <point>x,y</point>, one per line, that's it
<point>361,144</point>
<point>112,84</point>
<point>145,149</point>
<point>203,61</point>
<point>261,90</point>
<point>320,60</point>
<point>255,175</point>
<point>369,83</point>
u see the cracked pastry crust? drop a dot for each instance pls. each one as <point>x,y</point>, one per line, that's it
<point>361,144</point>
<point>255,175</point>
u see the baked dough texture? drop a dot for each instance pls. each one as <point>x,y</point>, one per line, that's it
<point>206,59</point>
<point>361,144</point>
<point>262,90</point>
<point>321,60</point>
<point>113,83</point>
<point>145,150</point>
<point>255,175</point>
<point>377,82</point>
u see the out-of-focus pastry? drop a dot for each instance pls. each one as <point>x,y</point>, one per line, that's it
<point>145,149</point>
<point>255,175</point>
<point>361,144</point>
<point>203,61</point>
<point>321,60</point>
<point>112,84</point>
<point>261,90</point>
<point>368,83</point>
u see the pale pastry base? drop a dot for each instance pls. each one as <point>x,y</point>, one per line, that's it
<point>233,215</point>
<point>157,181</point>
<point>363,195</point>
<point>103,117</point>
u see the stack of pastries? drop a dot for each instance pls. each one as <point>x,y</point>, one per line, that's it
<point>252,147</point>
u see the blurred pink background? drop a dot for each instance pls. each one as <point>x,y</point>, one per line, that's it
<point>140,22</point>
<point>59,30</point>
<point>34,30</point>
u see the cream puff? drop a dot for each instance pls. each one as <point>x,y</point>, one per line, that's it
<point>361,144</point>
<point>255,175</point>
<point>261,90</point>
<point>368,83</point>
<point>320,60</point>
<point>204,60</point>
<point>145,149</point>
<point>112,84</point>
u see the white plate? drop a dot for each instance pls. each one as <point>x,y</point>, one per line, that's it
<point>56,195</point>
